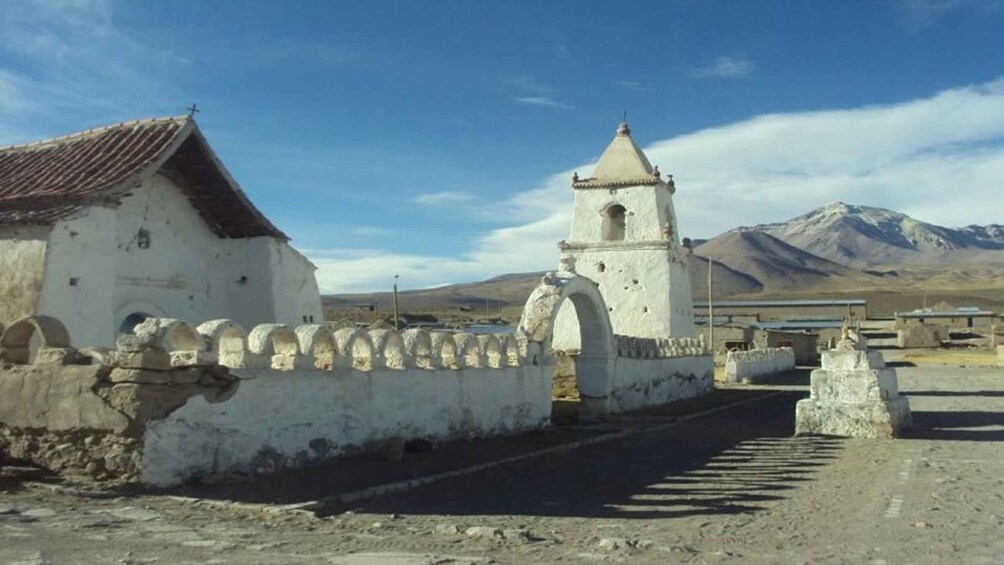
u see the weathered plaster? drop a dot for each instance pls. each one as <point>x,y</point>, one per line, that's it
<point>22,267</point>
<point>152,254</point>
<point>288,414</point>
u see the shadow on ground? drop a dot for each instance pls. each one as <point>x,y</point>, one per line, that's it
<point>947,393</point>
<point>799,376</point>
<point>729,462</point>
<point>959,426</point>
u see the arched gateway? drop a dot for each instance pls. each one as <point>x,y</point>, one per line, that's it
<point>594,364</point>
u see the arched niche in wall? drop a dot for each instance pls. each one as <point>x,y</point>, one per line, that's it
<point>614,223</point>
<point>130,322</point>
<point>134,313</point>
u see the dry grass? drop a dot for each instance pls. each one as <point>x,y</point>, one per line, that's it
<point>719,374</point>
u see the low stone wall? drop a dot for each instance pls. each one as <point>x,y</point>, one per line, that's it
<point>647,382</point>
<point>172,402</point>
<point>90,420</point>
<point>755,364</point>
<point>290,419</point>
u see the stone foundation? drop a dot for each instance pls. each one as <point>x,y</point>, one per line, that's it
<point>853,395</point>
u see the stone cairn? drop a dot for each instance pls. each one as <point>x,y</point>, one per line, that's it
<point>853,395</point>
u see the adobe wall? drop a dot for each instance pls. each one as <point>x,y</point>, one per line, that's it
<point>805,345</point>
<point>98,270</point>
<point>755,364</point>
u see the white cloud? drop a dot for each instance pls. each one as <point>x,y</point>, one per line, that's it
<point>541,101</point>
<point>940,159</point>
<point>371,231</point>
<point>528,84</point>
<point>917,15</point>
<point>444,197</point>
<point>533,92</point>
<point>726,67</point>
<point>74,64</point>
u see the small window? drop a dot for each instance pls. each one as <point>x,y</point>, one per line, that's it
<point>614,223</point>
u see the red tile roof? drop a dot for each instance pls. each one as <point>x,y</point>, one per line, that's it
<point>49,180</point>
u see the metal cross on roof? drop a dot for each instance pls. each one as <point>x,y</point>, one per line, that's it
<point>192,110</point>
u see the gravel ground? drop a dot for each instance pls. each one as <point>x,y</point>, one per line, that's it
<point>732,486</point>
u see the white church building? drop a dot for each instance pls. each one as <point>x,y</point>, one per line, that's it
<point>106,227</point>
<point>624,237</point>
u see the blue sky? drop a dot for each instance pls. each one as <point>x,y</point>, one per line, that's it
<point>435,139</point>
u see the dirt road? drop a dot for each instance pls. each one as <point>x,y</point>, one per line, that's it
<point>733,486</point>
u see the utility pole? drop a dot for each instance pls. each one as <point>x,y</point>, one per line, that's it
<point>711,311</point>
<point>397,318</point>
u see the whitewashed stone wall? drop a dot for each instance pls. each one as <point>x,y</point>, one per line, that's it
<point>755,364</point>
<point>219,399</point>
<point>90,272</point>
<point>313,393</point>
<point>650,371</point>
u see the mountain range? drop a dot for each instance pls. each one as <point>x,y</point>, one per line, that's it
<point>859,236</point>
<point>834,249</point>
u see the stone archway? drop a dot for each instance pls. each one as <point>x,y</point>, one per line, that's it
<point>590,324</point>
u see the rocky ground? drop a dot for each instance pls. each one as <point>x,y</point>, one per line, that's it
<point>729,486</point>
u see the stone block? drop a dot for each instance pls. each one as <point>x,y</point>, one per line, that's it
<point>878,420</point>
<point>918,336</point>
<point>851,387</point>
<point>852,359</point>
<point>57,356</point>
<point>143,359</point>
<point>193,358</point>
<point>140,376</point>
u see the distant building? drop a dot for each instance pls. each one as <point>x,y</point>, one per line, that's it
<point>788,310</point>
<point>106,227</point>
<point>963,319</point>
<point>738,336</point>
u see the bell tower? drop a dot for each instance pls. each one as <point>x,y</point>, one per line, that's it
<point>624,237</point>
